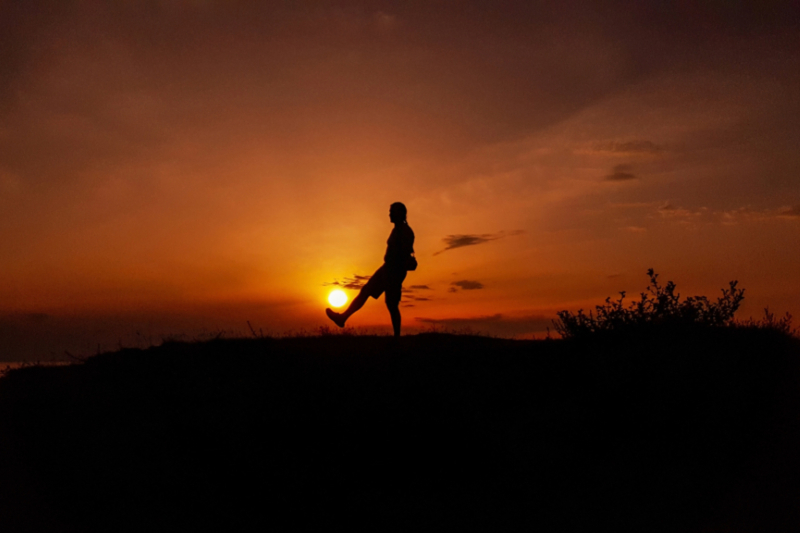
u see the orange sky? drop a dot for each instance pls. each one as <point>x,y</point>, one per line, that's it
<point>179,167</point>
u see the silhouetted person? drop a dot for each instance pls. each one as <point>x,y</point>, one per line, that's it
<point>389,277</point>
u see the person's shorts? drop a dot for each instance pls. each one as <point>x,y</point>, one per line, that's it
<point>385,280</point>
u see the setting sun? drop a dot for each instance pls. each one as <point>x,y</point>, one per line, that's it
<point>337,298</point>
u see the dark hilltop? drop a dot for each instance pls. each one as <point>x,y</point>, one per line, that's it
<point>693,429</point>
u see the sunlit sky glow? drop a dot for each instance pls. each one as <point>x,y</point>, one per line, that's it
<point>179,167</point>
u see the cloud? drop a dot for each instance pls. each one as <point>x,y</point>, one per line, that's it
<point>686,217</point>
<point>467,285</point>
<point>621,173</point>
<point>497,324</point>
<point>414,288</point>
<point>459,241</point>
<point>744,214</point>
<point>629,148</point>
<point>672,211</point>
<point>790,212</point>
<point>728,217</point>
<point>354,283</point>
<point>633,205</point>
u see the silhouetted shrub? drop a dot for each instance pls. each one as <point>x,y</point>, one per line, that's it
<point>659,305</point>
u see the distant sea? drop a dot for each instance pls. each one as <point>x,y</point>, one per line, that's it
<point>10,365</point>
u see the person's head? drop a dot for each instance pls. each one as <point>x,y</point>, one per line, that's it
<point>397,212</point>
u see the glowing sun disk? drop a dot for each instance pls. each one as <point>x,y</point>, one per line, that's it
<point>337,298</point>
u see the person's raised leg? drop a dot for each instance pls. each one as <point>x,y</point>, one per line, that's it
<point>340,318</point>
<point>357,303</point>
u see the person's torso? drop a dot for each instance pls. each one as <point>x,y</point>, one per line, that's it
<point>400,245</point>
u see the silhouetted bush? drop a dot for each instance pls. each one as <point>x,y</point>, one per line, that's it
<point>659,305</point>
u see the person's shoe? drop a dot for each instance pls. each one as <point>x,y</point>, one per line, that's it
<point>336,317</point>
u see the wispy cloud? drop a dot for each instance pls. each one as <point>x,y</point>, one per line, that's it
<point>733,217</point>
<point>467,285</point>
<point>354,283</point>
<point>459,241</point>
<point>628,147</point>
<point>689,218</point>
<point>634,205</point>
<point>667,209</point>
<point>790,212</point>
<point>411,291</point>
<point>357,282</point>
<point>678,214</point>
<point>747,214</point>
<point>621,173</point>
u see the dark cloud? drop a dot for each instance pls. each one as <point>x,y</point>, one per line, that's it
<point>459,241</point>
<point>497,324</point>
<point>621,173</point>
<point>452,289</point>
<point>413,288</point>
<point>630,147</point>
<point>410,293</point>
<point>468,285</point>
<point>355,283</point>
<point>790,212</point>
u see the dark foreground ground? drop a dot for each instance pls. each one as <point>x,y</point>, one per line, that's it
<point>662,432</point>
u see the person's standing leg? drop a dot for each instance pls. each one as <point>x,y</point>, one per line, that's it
<point>394,293</point>
<point>394,311</point>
